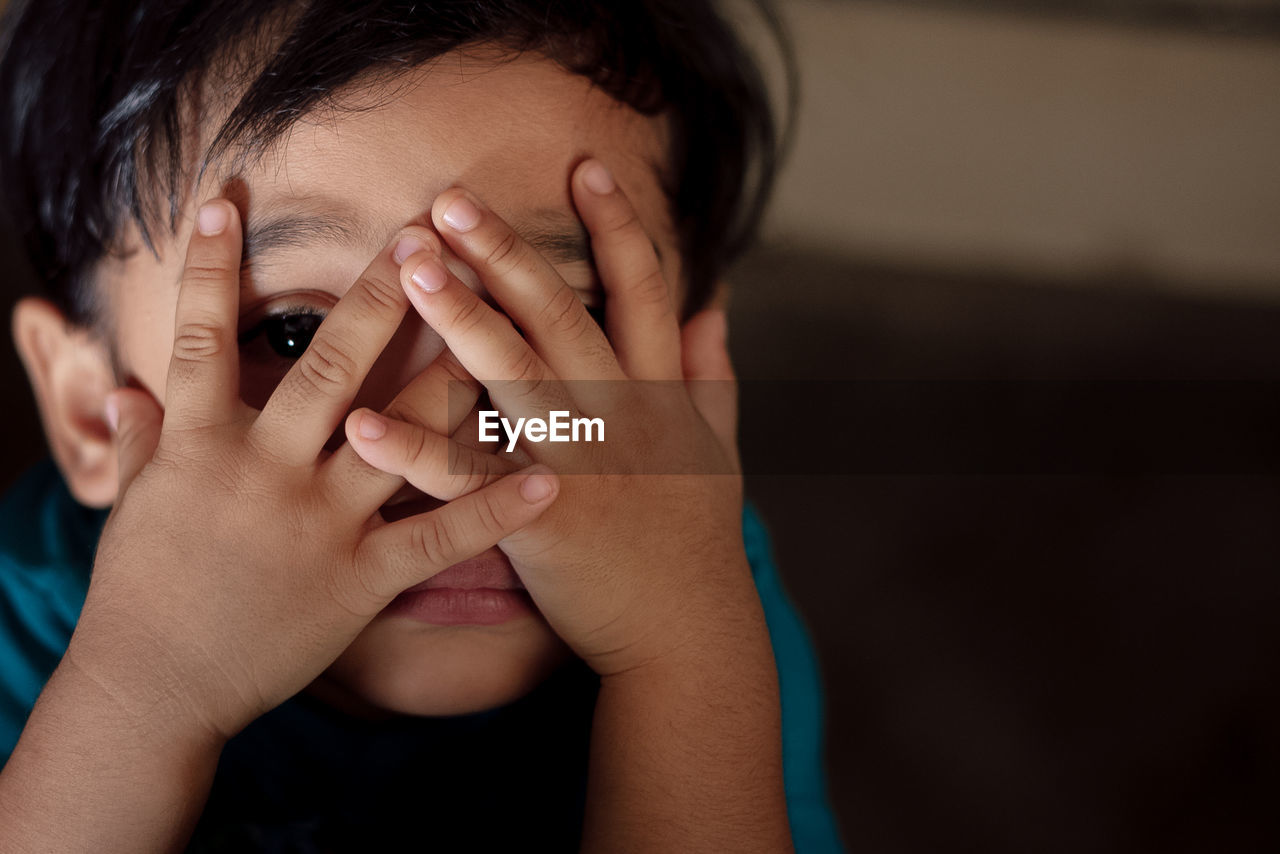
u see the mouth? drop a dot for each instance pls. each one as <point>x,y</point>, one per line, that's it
<point>489,570</point>
<point>481,590</point>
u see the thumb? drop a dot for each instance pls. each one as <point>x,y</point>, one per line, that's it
<point>708,373</point>
<point>135,420</point>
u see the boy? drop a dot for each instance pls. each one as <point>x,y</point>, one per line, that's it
<point>323,614</point>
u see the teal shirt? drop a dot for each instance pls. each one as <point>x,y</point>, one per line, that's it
<point>47,542</point>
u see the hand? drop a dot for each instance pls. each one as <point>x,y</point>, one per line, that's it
<point>640,563</point>
<point>240,559</point>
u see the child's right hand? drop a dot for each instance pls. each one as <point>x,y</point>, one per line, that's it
<point>236,564</point>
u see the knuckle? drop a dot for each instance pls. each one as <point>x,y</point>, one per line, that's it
<point>521,363</point>
<point>472,481</point>
<point>565,317</point>
<point>504,255</point>
<point>471,470</point>
<point>651,291</point>
<point>621,222</point>
<point>198,339</point>
<point>326,365</point>
<point>540,389</point>
<point>433,540</point>
<point>383,297</point>
<point>208,274</point>
<point>467,315</point>
<point>489,513</point>
<point>417,450</point>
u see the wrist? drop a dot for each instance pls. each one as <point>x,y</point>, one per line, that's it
<point>97,771</point>
<point>715,701</point>
<point>722,659</point>
<point>713,622</point>
<point>136,695</point>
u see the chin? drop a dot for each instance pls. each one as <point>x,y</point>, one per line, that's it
<point>401,668</point>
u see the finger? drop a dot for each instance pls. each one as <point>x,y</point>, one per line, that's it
<point>439,399</point>
<point>397,556</point>
<point>469,432</point>
<point>485,342</point>
<point>135,420</point>
<point>640,316</point>
<point>709,374</point>
<point>315,395</point>
<point>433,463</point>
<point>527,287</point>
<point>203,385</point>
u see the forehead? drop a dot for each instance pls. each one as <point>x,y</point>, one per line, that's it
<point>510,130</point>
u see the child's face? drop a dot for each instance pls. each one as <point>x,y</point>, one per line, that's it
<point>511,133</point>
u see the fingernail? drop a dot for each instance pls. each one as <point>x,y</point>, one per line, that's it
<point>406,247</point>
<point>461,215</point>
<point>212,218</point>
<point>372,426</point>
<point>598,179</point>
<point>536,487</point>
<point>111,411</point>
<point>430,275</point>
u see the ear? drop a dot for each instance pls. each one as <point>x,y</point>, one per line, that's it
<point>70,372</point>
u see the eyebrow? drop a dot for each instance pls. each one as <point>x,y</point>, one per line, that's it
<point>270,234</point>
<point>560,238</point>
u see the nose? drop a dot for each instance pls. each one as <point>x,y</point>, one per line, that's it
<point>411,349</point>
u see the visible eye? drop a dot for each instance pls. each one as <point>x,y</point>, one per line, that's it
<point>287,333</point>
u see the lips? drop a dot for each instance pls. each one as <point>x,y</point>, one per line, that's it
<point>482,591</point>
<point>488,570</point>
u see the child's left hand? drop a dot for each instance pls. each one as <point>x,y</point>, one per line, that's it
<point>639,564</point>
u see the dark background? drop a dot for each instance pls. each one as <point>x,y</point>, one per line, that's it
<point>1024,663</point>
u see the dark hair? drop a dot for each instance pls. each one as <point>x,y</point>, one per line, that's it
<point>91,95</point>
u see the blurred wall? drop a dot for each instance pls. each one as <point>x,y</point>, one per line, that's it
<point>935,136</point>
